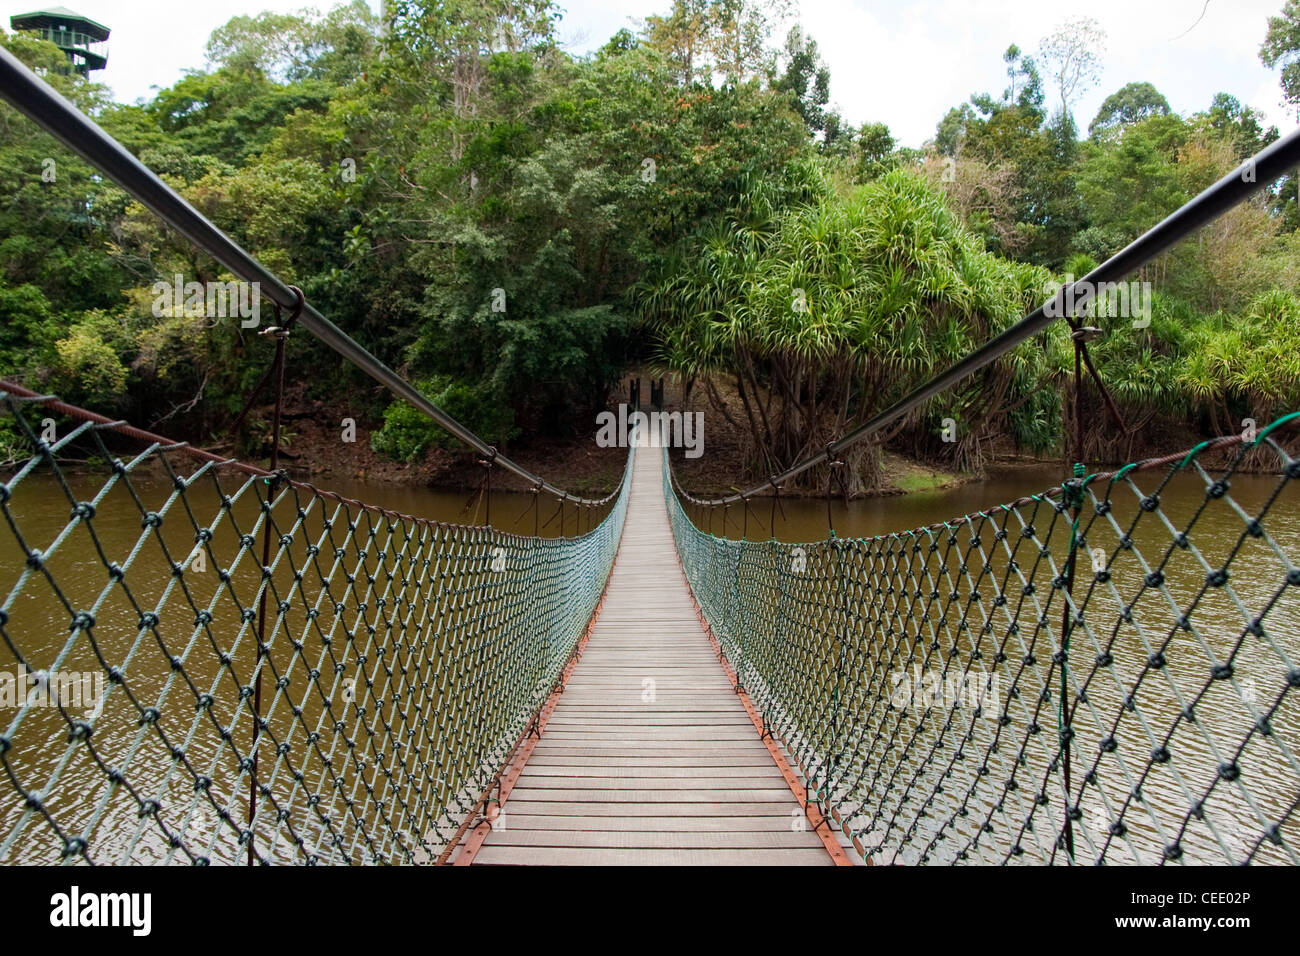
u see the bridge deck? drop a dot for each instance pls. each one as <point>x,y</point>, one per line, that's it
<point>620,778</point>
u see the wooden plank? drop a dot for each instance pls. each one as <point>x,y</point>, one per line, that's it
<point>597,734</point>
<point>517,820</point>
<point>774,810</point>
<point>512,835</point>
<point>602,771</point>
<point>650,719</point>
<point>679,748</point>
<point>493,855</point>
<point>748,781</point>
<point>641,761</point>
<point>528,789</point>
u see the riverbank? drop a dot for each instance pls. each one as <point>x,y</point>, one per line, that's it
<point>318,450</point>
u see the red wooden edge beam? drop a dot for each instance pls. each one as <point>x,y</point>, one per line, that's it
<point>524,750</point>
<point>821,826</point>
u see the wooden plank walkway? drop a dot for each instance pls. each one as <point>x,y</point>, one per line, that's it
<point>650,757</point>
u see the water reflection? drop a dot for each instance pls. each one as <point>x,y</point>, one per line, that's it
<point>1193,582</point>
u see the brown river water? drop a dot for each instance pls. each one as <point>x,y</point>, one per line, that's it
<point>38,623</point>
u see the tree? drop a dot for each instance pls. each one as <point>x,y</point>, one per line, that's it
<point>831,308</point>
<point>982,194</point>
<point>59,216</point>
<point>232,115</point>
<point>623,41</point>
<point>806,80</point>
<point>727,37</point>
<point>571,178</point>
<point>1282,46</point>
<point>1009,132</point>
<point>1240,125</point>
<point>1072,57</point>
<point>740,31</point>
<point>485,212</point>
<point>453,42</point>
<point>268,44</point>
<point>1129,104</point>
<point>951,131</point>
<point>874,145</point>
<point>838,136</point>
<point>1243,128</point>
<point>1132,183</point>
<point>1022,72</point>
<point>682,36</point>
<point>291,47</point>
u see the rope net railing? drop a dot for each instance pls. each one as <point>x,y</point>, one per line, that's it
<point>1103,673</point>
<point>203,662</point>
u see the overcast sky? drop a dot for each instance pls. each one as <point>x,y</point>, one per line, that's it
<point>901,63</point>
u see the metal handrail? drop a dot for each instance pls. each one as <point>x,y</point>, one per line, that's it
<point>1269,164</point>
<point>35,98</point>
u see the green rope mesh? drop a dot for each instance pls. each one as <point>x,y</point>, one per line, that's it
<point>920,679</point>
<point>402,658</point>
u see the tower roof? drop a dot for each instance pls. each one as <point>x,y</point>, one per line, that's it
<point>54,16</point>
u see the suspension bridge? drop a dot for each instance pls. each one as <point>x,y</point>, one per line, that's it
<point>269,672</point>
<point>650,756</point>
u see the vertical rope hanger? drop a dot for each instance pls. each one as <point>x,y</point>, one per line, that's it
<point>1072,498</point>
<point>281,334</point>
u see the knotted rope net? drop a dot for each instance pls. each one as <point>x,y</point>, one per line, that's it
<point>171,692</point>
<point>1088,675</point>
